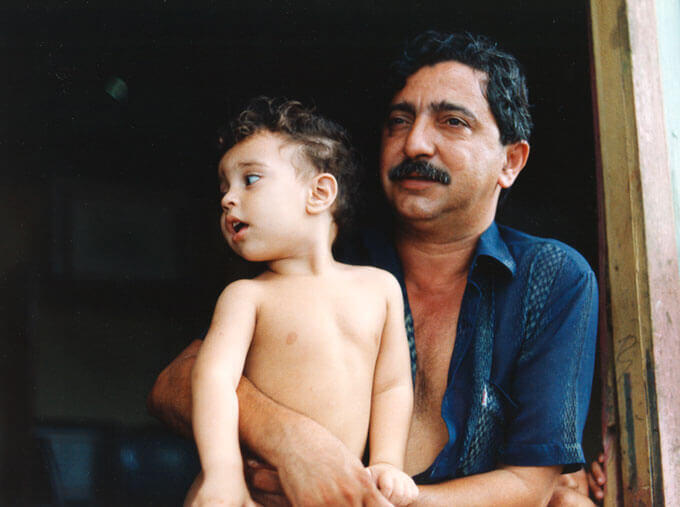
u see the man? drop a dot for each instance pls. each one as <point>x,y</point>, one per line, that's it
<point>501,325</point>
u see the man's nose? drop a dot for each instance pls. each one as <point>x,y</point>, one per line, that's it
<point>420,140</point>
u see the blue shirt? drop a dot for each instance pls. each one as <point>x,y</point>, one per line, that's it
<point>522,366</point>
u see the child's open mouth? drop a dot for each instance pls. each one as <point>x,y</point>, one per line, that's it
<point>238,226</point>
<point>235,226</point>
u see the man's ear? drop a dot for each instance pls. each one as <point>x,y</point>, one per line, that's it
<point>516,155</point>
<point>322,193</point>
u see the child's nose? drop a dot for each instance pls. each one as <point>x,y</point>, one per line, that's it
<point>228,200</point>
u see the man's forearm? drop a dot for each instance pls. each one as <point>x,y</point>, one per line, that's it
<point>508,486</point>
<point>170,398</point>
<point>315,467</point>
<point>265,426</point>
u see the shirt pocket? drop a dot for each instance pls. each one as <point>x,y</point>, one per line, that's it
<point>495,410</point>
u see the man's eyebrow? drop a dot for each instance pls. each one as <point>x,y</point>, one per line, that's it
<point>444,106</point>
<point>404,107</point>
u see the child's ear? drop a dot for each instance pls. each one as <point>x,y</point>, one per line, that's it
<point>322,193</point>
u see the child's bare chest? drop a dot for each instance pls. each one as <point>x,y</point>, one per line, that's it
<point>307,331</point>
<point>299,320</point>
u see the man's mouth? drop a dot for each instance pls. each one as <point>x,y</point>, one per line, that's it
<point>419,170</point>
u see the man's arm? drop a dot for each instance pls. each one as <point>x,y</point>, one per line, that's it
<point>314,467</point>
<point>170,398</point>
<point>507,486</point>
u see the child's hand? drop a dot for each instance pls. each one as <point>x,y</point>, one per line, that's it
<point>218,490</point>
<point>397,486</point>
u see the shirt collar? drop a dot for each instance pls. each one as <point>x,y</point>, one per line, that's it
<point>492,246</point>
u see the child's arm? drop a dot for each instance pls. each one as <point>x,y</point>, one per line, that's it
<point>392,405</point>
<point>215,376</point>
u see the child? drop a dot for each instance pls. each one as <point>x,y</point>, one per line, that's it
<point>323,338</point>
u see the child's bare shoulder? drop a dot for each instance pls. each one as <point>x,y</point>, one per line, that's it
<point>240,292</point>
<point>379,278</point>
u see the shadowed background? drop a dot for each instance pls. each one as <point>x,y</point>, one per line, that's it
<point>112,257</point>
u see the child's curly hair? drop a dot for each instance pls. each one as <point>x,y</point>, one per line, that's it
<point>324,143</point>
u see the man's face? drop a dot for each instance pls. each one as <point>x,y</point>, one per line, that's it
<point>442,117</point>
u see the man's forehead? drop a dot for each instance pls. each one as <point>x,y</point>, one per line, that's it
<point>441,82</point>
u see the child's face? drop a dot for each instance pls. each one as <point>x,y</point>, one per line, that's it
<point>263,202</point>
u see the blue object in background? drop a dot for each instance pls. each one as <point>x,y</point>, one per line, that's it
<point>111,466</point>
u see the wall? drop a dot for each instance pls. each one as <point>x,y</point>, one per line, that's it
<point>668,16</point>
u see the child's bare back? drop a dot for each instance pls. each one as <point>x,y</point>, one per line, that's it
<point>316,342</point>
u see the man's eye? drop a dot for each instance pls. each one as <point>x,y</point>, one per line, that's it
<point>251,178</point>
<point>395,121</point>
<point>455,122</point>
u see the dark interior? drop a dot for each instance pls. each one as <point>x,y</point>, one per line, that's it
<point>112,257</point>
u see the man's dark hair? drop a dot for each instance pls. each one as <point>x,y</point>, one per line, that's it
<point>325,144</point>
<point>506,88</point>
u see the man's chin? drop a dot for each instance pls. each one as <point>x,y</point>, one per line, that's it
<point>412,213</point>
<point>415,206</point>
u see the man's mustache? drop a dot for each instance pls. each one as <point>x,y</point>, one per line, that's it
<point>420,168</point>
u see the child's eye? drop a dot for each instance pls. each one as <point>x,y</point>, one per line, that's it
<point>251,178</point>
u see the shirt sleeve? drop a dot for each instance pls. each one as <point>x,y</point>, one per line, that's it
<point>554,373</point>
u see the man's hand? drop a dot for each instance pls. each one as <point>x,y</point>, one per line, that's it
<point>317,470</point>
<point>224,489</point>
<point>170,398</point>
<point>597,478</point>
<point>573,489</point>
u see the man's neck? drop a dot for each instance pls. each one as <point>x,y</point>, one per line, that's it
<point>434,261</point>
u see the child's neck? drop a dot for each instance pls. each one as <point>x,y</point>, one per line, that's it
<point>314,261</point>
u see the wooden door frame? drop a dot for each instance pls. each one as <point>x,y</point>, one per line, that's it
<point>641,279</point>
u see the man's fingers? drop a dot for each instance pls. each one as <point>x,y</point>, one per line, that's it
<point>595,489</point>
<point>567,481</point>
<point>255,464</point>
<point>598,472</point>
<point>270,500</point>
<point>264,479</point>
